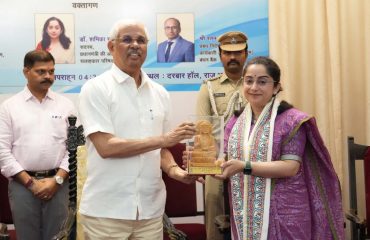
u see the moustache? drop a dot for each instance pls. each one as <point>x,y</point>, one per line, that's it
<point>233,61</point>
<point>134,51</point>
<point>46,81</point>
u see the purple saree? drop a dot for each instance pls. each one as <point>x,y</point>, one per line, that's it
<point>306,206</point>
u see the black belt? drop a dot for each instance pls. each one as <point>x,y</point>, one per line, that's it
<point>43,174</point>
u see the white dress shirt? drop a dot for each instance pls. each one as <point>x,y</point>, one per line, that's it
<point>120,187</point>
<point>33,134</point>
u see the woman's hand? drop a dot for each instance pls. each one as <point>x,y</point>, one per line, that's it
<point>273,169</point>
<point>231,168</point>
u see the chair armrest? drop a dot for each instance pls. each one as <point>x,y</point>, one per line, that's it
<point>4,235</point>
<point>352,216</point>
<point>170,229</point>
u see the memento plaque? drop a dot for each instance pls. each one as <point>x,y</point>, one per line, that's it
<point>206,147</point>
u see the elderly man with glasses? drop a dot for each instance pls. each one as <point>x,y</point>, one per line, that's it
<point>126,120</point>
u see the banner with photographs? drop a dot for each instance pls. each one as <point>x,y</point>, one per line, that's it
<point>83,31</point>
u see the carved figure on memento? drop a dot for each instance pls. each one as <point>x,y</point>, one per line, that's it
<point>204,152</point>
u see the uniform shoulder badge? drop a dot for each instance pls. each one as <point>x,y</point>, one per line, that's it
<point>212,79</point>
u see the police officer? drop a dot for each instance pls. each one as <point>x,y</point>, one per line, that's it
<point>221,96</point>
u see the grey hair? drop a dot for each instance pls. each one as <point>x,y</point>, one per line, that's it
<point>120,24</point>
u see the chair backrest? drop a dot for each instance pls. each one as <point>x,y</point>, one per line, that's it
<point>5,212</point>
<point>358,152</point>
<point>182,202</point>
<point>181,198</point>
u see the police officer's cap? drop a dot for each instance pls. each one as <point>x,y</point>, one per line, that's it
<point>233,41</point>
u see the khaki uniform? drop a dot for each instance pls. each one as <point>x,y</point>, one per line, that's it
<point>223,90</point>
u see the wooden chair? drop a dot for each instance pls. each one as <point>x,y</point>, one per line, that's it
<point>360,228</point>
<point>182,201</point>
<point>5,212</point>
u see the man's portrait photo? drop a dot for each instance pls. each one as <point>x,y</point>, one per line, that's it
<point>175,36</point>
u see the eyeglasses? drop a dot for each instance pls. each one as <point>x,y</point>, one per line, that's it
<point>171,28</point>
<point>43,72</point>
<point>129,40</point>
<point>261,82</point>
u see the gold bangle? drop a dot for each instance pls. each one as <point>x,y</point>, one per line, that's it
<point>172,166</point>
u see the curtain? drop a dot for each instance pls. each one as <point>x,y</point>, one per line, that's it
<point>323,49</point>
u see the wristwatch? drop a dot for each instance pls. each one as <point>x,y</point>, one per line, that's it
<point>248,168</point>
<point>59,179</point>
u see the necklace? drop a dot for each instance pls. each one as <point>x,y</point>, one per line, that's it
<point>254,121</point>
<point>254,118</point>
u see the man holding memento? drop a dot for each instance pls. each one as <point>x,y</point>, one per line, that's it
<point>126,120</point>
<point>220,96</point>
<point>33,152</point>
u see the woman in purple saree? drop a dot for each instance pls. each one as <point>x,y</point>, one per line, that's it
<point>282,181</point>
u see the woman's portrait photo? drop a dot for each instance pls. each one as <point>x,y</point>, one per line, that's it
<point>55,34</point>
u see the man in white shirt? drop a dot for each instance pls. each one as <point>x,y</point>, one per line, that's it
<point>126,118</point>
<point>33,152</point>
